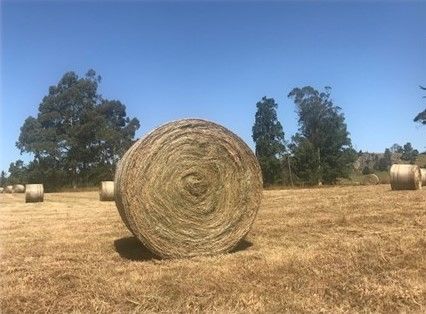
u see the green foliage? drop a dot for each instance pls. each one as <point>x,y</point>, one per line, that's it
<point>385,162</point>
<point>322,148</point>
<point>396,148</point>
<point>77,136</point>
<point>366,170</point>
<point>409,154</point>
<point>17,173</point>
<point>421,117</point>
<point>268,136</point>
<point>3,179</point>
<point>305,160</point>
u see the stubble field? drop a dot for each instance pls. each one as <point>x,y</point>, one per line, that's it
<point>340,249</point>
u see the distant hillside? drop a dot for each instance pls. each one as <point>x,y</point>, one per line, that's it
<point>421,160</point>
<point>371,159</point>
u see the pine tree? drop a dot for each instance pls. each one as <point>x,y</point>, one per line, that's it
<point>268,136</point>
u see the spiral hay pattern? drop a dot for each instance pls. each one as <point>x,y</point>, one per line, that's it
<point>371,179</point>
<point>34,193</point>
<point>106,192</point>
<point>190,187</point>
<point>18,188</point>
<point>405,177</point>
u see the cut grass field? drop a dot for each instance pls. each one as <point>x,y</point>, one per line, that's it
<point>339,249</point>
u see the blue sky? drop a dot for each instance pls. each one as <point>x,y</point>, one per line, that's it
<point>215,60</point>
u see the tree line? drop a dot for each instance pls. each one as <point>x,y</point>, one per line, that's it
<point>320,152</point>
<point>78,136</point>
<point>406,154</point>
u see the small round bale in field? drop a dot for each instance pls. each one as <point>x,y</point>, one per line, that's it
<point>18,188</point>
<point>405,177</point>
<point>423,172</point>
<point>190,187</point>
<point>370,179</point>
<point>106,191</point>
<point>8,189</point>
<point>1,189</point>
<point>34,193</point>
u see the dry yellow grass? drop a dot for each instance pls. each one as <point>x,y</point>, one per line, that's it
<point>340,249</point>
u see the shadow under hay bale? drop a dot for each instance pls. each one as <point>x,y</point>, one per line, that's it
<point>242,246</point>
<point>132,249</point>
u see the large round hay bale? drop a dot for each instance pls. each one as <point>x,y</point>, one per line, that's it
<point>405,177</point>
<point>370,179</point>
<point>34,193</point>
<point>190,187</point>
<point>423,173</point>
<point>106,191</point>
<point>8,189</point>
<point>18,188</point>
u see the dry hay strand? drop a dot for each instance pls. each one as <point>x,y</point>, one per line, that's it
<point>423,173</point>
<point>190,187</point>
<point>106,191</point>
<point>18,188</point>
<point>34,193</point>
<point>405,177</point>
<point>8,189</point>
<point>370,179</point>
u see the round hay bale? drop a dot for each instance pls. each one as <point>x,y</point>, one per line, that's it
<point>190,187</point>
<point>18,188</point>
<point>423,173</point>
<point>106,191</point>
<point>1,190</point>
<point>34,193</point>
<point>370,179</point>
<point>8,189</point>
<point>405,177</point>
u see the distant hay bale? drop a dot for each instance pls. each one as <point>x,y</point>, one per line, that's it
<point>405,177</point>
<point>106,191</point>
<point>370,179</point>
<point>34,193</point>
<point>423,172</point>
<point>18,188</point>
<point>1,190</point>
<point>190,187</point>
<point>8,189</point>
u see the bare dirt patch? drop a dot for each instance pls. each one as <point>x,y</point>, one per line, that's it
<point>310,250</point>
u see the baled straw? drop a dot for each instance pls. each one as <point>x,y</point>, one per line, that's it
<point>190,187</point>
<point>34,193</point>
<point>423,173</point>
<point>8,189</point>
<point>371,179</point>
<point>405,177</point>
<point>1,190</point>
<point>18,188</point>
<point>106,191</point>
